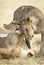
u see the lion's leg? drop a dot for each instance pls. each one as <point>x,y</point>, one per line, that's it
<point>10,52</point>
<point>42,45</point>
<point>15,52</point>
<point>4,51</point>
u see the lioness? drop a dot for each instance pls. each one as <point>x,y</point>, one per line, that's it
<point>14,44</point>
<point>13,25</point>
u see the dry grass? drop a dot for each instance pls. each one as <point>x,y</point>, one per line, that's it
<point>23,61</point>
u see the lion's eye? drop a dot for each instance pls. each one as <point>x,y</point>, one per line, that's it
<point>38,24</point>
<point>17,29</point>
<point>28,19</point>
<point>26,29</point>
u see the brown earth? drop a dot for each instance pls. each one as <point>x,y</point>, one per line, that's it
<point>23,61</point>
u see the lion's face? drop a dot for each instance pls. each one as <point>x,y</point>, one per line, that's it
<point>31,26</point>
<point>28,29</point>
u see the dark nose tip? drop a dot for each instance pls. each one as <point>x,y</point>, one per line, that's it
<point>32,35</point>
<point>35,32</point>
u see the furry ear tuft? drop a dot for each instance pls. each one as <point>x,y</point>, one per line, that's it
<point>5,26</point>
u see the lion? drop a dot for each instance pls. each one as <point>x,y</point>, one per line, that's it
<point>15,44</point>
<point>30,12</point>
<point>13,25</point>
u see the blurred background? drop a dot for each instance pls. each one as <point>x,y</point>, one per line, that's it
<point>7,8</point>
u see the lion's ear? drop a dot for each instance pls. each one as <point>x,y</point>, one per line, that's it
<point>5,26</point>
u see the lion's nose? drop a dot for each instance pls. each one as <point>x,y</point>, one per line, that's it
<point>35,32</point>
<point>32,35</point>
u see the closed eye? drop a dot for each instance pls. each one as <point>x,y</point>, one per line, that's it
<point>26,29</point>
<point>17,29</point>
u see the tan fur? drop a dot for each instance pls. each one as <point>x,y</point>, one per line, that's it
<point>11,26</point>
<point>15,44</point>
<point>27,26</point>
